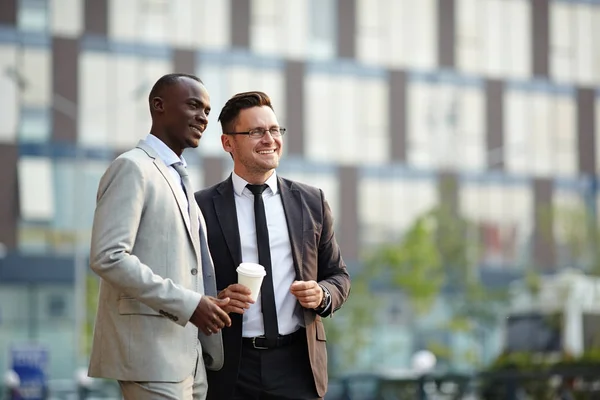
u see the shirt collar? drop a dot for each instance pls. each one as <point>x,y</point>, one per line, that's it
<point>167,155</point>
<point>239,184</point>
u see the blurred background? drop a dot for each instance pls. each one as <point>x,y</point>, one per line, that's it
<point>457,141</point>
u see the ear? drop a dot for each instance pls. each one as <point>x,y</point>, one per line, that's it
<point>226,143</point>
<point>157,104</point>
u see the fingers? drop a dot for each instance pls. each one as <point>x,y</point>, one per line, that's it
<point>238,307</point>
<point>300,285</point>
<point>306,289</point>
<point>219,320</point>
<point>239,288</point>
<point>308,293</point>
<point>210,317</point>
<point>238,292</point>
<point>220,317</point>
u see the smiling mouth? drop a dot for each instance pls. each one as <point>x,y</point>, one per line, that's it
<point>196,129</point>
<point>266,152</point>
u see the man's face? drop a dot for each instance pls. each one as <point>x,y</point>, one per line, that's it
<point>184,109</point>
<point>254,159</point>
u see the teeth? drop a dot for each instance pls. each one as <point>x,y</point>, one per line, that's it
<point>266,152</point>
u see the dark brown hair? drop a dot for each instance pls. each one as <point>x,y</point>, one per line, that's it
<point>241,101</point>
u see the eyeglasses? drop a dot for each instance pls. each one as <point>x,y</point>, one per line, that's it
<point>275,131</point>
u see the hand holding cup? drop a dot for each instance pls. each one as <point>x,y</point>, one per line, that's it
<point>251,275</point>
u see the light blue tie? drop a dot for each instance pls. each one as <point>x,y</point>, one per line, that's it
<point>192,209</point>
<point>210,285</point>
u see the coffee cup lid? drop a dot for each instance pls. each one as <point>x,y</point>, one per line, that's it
<point>251,269</point>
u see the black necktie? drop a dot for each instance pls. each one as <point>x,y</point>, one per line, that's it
<point>267,293</point>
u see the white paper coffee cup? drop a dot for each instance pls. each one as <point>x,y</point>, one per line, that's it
<point>251,275</point>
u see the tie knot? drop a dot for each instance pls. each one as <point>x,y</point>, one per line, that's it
<point>181,170</point>
<point>257,189</point>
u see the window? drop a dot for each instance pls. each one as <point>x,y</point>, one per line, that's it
<point>67,17</point>
<point>213,30</point>
<point>75,198</point>
<point>493,37</point>
<point>324,179</point>
<point>36,189</point>
<point>184,23</point>
<point>570,228</point>
<point>199,23</point>
<point>540,131</point>
<point>468,41</point>
<point>446,123</point>
<point>390,202</point>
<point>323,27</point>
<point>127,122</point>
<point>266,23</point>
<point>298,25</point>
<point>9,93</point>
<point>32,15</point>
<point>346,116</point>
<point>501,214</point>
<point>574,47</point>
<point>34,124</point>
<point>123,20</point>
<point>400,33</point>
<point>34,66</point>
<point>371,37</point>
<point>93,95</point>
<point>297,29</point>
<point>124,79</point>
<point>56,306</point>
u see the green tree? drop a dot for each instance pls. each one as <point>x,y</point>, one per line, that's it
<point>412,264</point>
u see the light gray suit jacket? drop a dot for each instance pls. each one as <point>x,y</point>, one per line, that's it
<point>151,275</point>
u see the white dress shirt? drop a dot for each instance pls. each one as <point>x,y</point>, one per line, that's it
<point>169,157</point>
<point>289,312</point>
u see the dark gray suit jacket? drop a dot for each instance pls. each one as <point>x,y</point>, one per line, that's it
<point>316,257</point>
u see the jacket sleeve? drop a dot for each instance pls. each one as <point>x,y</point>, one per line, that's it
<point>120,205</point>
<point>332,272</point>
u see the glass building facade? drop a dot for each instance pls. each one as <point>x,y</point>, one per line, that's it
<point>383,99</point>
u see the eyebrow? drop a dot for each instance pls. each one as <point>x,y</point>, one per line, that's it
<point>197,100</point>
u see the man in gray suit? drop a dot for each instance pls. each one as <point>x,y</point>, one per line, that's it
<point>149,248</point>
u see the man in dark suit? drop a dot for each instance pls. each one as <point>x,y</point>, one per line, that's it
<point>275,348</point>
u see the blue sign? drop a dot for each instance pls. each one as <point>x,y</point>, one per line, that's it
<point>30,364</point>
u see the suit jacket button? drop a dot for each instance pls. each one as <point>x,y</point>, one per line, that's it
<point>195,271</point>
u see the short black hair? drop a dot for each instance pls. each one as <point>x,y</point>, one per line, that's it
<point>241,101</point>
<point>169,80</point>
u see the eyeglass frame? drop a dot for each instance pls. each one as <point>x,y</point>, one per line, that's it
<point>264,131</point>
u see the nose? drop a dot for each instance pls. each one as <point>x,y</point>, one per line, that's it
<point>267,137</point>
<point>202,117</point>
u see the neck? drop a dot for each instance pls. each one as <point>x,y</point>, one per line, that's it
<point>256,178</point>
<point>164,137</point>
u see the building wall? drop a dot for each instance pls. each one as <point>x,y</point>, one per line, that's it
<point>381,98</point>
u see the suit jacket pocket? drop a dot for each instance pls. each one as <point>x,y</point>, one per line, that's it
<point>320,330</point>
<point>128,306</point>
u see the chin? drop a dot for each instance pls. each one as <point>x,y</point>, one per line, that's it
<point>193,143</point>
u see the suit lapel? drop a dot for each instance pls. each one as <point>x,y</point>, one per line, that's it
<point>224,201</point>
<point>291,199</point>
<point>181,202</point>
